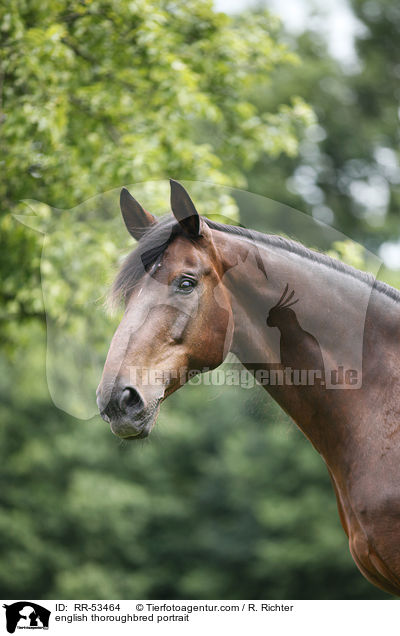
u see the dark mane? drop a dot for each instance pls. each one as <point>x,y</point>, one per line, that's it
<point>149,249</point>
<point>157,238</point>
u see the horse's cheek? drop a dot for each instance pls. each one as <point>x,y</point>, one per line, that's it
<point>219,333</point>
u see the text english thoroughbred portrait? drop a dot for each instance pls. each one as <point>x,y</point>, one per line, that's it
<point>195,290</point>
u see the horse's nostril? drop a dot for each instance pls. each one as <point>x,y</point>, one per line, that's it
<point>130,398</point>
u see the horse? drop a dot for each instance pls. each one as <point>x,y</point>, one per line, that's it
<point>195,290</point>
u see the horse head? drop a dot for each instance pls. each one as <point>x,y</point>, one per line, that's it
<point>177,318</point>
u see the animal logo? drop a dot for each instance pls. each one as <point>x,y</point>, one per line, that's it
<point>26,615</point>
<point>299,349</point>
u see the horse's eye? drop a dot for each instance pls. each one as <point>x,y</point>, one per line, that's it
<point>186,285</point>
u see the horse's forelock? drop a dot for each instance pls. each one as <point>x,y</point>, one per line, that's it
<point>150,247</point>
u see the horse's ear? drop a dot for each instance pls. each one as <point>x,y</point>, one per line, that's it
<point>136,219</point>
<point>183,209</point>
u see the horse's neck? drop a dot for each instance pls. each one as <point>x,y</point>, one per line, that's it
<point>331,315</point>
<point>331,305</point>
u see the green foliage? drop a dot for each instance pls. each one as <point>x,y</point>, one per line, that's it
<point>98,94</point>
<point>347,172</point>
<point>215,505</point>
<point>349,252</point>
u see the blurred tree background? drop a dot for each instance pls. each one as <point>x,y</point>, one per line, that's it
<point>227,499</point>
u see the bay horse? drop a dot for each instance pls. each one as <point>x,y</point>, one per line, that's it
<point>195,290</point>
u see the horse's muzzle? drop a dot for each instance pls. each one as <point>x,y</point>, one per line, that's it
<point>126,412</point>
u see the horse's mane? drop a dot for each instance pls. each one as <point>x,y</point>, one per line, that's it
<point>156,239</point>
